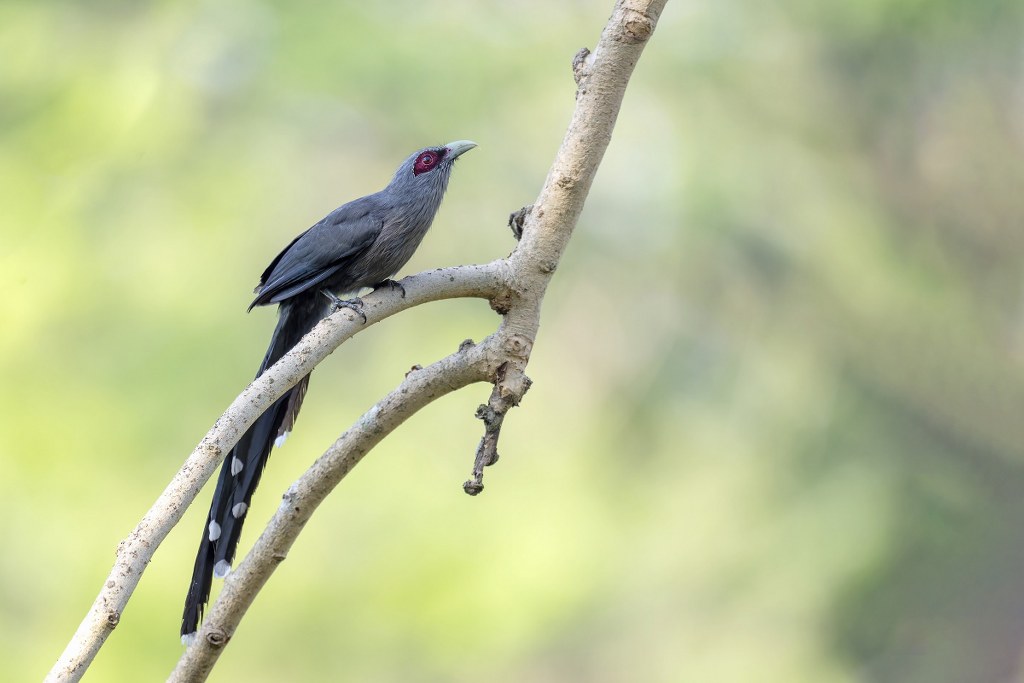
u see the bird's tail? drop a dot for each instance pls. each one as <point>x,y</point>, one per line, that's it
<point>242,468</point>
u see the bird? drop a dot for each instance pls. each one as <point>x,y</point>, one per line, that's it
<point>360,244</point>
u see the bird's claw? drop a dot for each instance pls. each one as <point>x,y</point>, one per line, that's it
<point>355,305</point>
<point>337,304</point>
<point>390,284</point>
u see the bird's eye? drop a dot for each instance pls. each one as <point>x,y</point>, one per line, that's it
<point>424,162</point>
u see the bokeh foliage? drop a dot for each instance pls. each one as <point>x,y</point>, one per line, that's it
<point>776,429</point>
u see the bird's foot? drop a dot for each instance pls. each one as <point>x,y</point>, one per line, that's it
<point>337,304</point>
<point>390,284</point>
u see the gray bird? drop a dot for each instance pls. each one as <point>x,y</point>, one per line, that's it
<point>361,244</point>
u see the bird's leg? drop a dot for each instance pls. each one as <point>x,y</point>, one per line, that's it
<point>390,284</point>
<point>355,304</point>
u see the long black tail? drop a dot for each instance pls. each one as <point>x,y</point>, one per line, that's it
<point>240,474</point>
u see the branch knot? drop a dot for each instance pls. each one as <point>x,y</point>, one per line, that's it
<point>636,28</point>
<point>517,221</point>
<point>581,66</point>
<point>518,345</point>
<point>217,638</point>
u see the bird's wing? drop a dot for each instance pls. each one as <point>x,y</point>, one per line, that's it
<point>320,252</point>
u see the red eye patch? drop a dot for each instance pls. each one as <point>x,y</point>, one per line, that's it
<point>425,162</point>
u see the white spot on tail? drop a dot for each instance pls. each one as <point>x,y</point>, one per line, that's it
<point>188,638</point>
<point>236,465</point>
<point>214,531</point>
<point>281,438</point>
<point>239,510</point>
<point>221,569</point>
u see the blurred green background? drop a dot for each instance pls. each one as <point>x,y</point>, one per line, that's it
<point>777,426</point>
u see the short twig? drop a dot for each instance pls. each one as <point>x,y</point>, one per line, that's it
<point>510,384</point>
<point>580,66</point>
<point>517,219</point>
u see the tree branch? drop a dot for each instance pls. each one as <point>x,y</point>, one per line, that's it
<point>502,358</point>
<point>135,551</point>
<point>515,288</point>
<point>471,363</point>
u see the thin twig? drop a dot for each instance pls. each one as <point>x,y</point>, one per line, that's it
<point>510,386</point>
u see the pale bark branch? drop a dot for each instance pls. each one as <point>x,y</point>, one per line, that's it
<point>472,363</point>
<point>502,358</point>
<point>515,288</point>
<point>135,551</point>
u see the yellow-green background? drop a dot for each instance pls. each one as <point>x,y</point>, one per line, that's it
<point>777,426</point>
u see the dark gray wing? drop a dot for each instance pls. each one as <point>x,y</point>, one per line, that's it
<point>320,252</point>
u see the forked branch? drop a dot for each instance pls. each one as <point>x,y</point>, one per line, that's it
<point>515,287</point>
<point>135,552</point>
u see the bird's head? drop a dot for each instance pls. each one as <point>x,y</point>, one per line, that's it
<point>431,166</point>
